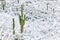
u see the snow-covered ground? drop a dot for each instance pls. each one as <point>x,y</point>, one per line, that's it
<point>42,19</point>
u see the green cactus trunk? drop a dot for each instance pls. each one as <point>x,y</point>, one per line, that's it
<point>22,29</point>
<point>13,26</point>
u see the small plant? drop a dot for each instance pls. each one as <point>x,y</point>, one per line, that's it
<point>13,26</point>
<point>22,19</point>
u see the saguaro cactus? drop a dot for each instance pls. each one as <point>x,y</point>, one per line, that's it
<point>3,4</point>
<point>18,1</point>
<point>47,5</point>
<point>13,26</point>
<point>22,19</point>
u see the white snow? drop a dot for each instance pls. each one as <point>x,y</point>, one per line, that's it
<point>41,24</point>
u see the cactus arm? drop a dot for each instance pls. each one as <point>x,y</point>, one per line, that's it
<point>22,10</point>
